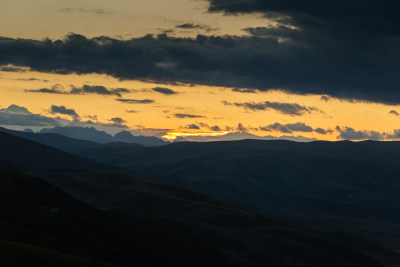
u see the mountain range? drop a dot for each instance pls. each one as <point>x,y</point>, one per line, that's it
<point>197,204</point>
<point>101,137</point>
<point>350,186</point>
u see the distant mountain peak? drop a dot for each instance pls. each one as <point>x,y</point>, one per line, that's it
<point>123,134</point>
<point>83,133</point>
<point>128,137</point>
<point>94,135</point>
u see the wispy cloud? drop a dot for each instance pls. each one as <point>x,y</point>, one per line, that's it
<point>192,127</point>
<point>198,26</point>
<point>187,116</point>
<point>135,101</point>
<point>164,91</point>
<point>54,109</point>
<point>98,89</point>
<point>132,111</point>
<point>85,89</point>
<point>12,69</point>
<point>292,109</point>
<point>245,90</point>
<point>289,128</point>
<point>95,11</point>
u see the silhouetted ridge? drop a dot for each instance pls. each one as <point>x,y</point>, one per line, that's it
<point>351,186</point>
<point>22,154</point>
<point>192,225</point>
<point>44,218</point>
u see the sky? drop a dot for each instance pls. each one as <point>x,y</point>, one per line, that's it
<point>203,70</point>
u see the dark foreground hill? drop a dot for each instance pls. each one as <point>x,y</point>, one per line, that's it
<point>42,224</point>
<point>249,238</point>
<point>353,186</point>
<point>17,153</point>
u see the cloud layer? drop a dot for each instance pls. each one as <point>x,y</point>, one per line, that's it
<point>16,115</point>
<point>312,55</point>
<point>135,101</point>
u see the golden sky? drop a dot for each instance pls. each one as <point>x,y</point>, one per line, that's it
<point>204,106</point>
<point>118,18</point>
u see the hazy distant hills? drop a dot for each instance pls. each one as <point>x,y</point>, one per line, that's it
<point>345,184</point>
<point>54,140</point>
<point>94,135</point>
<point>41,223</point>
<point>63,142</point>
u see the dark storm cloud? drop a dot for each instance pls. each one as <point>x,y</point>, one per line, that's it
<point>348,133</point>
<point>334,17</point>
<point>165,91</point>
<point>359,36</point>
<point>340,51</point>
<point>292,109</point>
<point>135,101</point>
<point>187,116</point>
<point>63,111</point>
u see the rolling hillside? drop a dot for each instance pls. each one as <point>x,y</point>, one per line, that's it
<point>351,186</point>
<point>193,229</point>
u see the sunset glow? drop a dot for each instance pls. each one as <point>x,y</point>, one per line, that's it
<point>171,136</point>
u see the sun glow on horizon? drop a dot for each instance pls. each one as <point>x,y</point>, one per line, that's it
<point>171,136</point>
